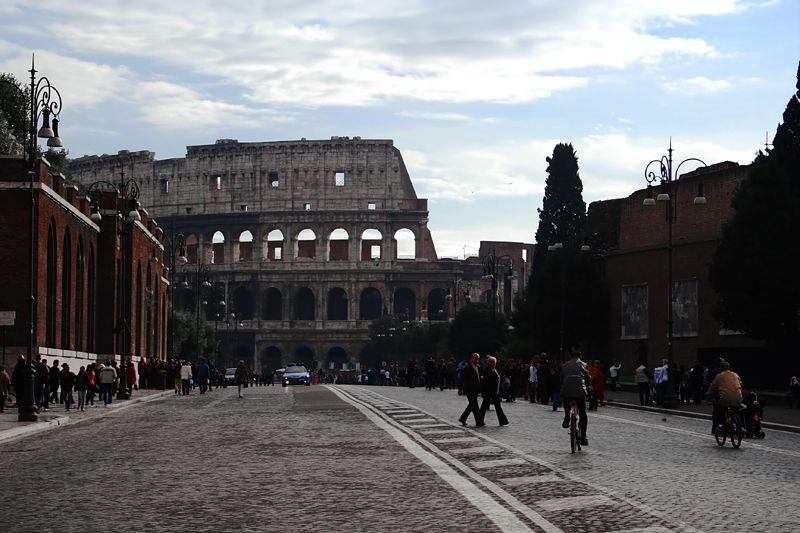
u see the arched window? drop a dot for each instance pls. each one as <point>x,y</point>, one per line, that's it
<point>304,306</point>
<point>405,301</point>
<point>80,307</point>
<point>243,302</point>
<point>405,244</point>
<point>273,305</point>
<point>306,244</point>
<point>66,291</point>
<point>371,245</point>
<point>371,304</point>
<point>437,306</point>
<point>245,246</point>
<point>91,302</point>
<point>338,245</point>
<point>218,248</point>
<point>337,304</point>
<point>273,251</point>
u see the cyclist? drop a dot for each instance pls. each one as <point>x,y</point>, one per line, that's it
<point>575,386</point>
<point>725,391</point>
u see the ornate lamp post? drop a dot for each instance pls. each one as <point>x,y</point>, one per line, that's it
<point>666,179</point>
<point>492,267</point>
<point>176,245</point>
<point>126,211</point>
<point>45,101</point>
<point>201,272</point>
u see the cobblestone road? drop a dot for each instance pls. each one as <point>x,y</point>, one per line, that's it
<point>388,459</point>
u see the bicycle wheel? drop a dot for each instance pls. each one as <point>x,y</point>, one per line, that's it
<point>574,442</point>
<point>736,431</point>
<point>722,433</point>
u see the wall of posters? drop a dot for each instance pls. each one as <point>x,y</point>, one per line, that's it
<point>684,308</point>
<point>635,309</point>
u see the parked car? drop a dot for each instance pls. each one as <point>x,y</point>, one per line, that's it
<point>230,376</point>
<point>296,375</point>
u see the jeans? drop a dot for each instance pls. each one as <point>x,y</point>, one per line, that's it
<point>66,398</point>
<point>107,392</point>
<point>81,399</point>
<point>555,401</point>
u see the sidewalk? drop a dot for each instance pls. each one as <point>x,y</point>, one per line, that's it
<point>11,428</point>
<point>776,416</point>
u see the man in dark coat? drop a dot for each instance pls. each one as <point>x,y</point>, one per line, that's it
<point>470,386</point>
<point>491,391</point>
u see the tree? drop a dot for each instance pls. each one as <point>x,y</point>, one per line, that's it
<point>754,268</point>
<point>191,343</point>
<point>561,219</point>
<point>13,106</point>
<point>478,330</point>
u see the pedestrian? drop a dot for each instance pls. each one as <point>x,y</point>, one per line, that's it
<point>5,387</point>
<point>696,381</point>
<point>725,391</point>
<point>186,377</point>
<point>107,378</point>
<point>42,377</point>
<point>470,386</point>
<point>430,373</point>
<point>533,381</point>
<point>82,386</point>
<point>555,384</point>
<point>613,373</point>
<point>203,373</point>
<point>240,377</point>
<point>67,384</point>
<point>575,386</point>
<point>18,379</point>
<point>130,377</point>
<point>661,376</point>
<point>793,396</point>
<point>53,381</point>
<point>643,377</point>
<point>490,390</point>
<point>598,385</point>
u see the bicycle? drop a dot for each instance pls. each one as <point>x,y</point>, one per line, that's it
<point>574,426</point>
<point>731,427</point>
<point>11,400</point>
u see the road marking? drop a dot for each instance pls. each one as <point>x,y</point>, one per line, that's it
<point>416,415</point>
<point>527,480</point>
<point>574,502</point>
<point>504,519</point>
<point>420,421</point>
<point>442,432</point>
<point>457,441</point>
<point>497,462</point>
<point>651,529</point>
<point>476,450</point>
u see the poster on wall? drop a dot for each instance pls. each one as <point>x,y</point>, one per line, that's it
<point>684,308</point>
<point>635,312</point>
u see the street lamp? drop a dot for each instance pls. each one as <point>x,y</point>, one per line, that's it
<point>492,265</point>
<point>126,209</point>
<point>219,307</point>
<point>45,100</point>
<point>237,321</point>
<point>176,245</point>
<point>201,272</point>
<point>666,179</point>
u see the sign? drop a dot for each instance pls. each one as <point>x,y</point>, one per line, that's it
<point>7,318</point>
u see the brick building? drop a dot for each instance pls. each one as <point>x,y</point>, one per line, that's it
<point>637,271</point>
<point>79,288</point>
<point>306,243</point>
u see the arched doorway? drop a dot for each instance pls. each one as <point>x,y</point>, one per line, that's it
<point>405,301</point>
<point>336,359</point>
<point>271,359</point>
<point>304,356</point>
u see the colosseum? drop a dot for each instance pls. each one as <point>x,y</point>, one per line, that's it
<point>295,247</point>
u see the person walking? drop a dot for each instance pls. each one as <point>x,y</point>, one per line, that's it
<point>108,375</point>
<point>533,381</point>
<point>53,381</point>
<point>575,386</point>
<point>490,390</point>
<point>67,384</point>
<point>613,373</point>
<point>203,373</point>
<point>470,386</point>
<point>241,377</point>
<point>82,385</point>
<point>186,377</point>
<point>643,377</point>
<point>5,387</point>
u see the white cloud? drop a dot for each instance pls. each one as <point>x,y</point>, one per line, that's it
<point>697,85</point>
<point>433,116</point>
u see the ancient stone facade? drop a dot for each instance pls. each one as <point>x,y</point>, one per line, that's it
<point>304,244</point>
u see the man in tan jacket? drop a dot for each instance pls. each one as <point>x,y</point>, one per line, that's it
<point>726,390</point>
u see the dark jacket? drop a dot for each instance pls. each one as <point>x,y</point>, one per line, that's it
<point>575,380</point>
<point>470,380</point>
<point>491,380</point>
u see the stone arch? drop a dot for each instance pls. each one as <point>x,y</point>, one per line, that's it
<point>405,244</point>
<point>272,309</point>
<point>339,245</point>
<point>66,289</point>
<point>242,352</point>
<point>405,301</point>
<point>437,305</point>
<point>218,248</point>
<point>337,304</point>
<point>371,307</point>
<point>304,304</point>
<point>245,245</point>
<point>271,358</point>
<point>243,302</point>
<point>337,356</point>
<point>371,245</point>
<point>275,244</point>
<point>304,355</point>
<point>306,244</point>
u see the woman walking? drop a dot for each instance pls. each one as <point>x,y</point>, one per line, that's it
<point>241,377</point>
<point>82,385</point>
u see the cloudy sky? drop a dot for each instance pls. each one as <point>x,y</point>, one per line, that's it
<point>475,94</point>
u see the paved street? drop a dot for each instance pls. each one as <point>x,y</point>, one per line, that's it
<point>350,458</point>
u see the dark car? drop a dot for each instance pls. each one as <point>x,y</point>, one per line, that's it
<point>296,375</point>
